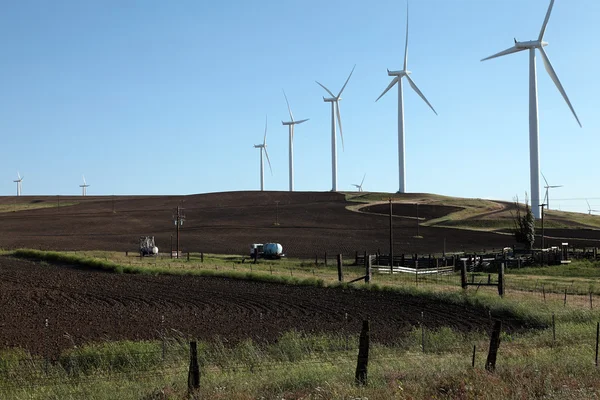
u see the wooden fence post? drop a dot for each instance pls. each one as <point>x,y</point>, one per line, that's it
<point>202,257</point>
<point>490,364</point>
<point>501,280</point>
<point>597,337</point>
<point>367,268</point>
<point>325,258</point>
<point>194,371</point>
<point>339,266</point>
<point>463,275</point>
<point>473,359</point>
<point>356,258</point>
<point>363,355</point>
<point>188,256</point>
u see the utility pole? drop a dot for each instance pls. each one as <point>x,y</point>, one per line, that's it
<point>418,234</point>
<point>543,238</point>
<point>391,237</point>
<point>178,219</point>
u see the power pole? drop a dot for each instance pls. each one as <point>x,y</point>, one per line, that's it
<point>391,238</point>
<point>178,218</point>
<point>418,233</point>
<point>543,238</point>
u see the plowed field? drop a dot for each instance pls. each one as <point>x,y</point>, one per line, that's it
<point>84,306</point>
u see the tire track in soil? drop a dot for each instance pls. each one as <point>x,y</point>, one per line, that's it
<point>87,305</point>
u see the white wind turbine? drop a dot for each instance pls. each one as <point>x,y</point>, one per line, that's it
<point>18,182</point>
<point>590,211</point>
<point>398,75</point>
<point>291,124</point>
<point>359,187</point>
<point>84,187</point>
<point>547,187</point>
<point>263,148</point>
<point>534,150</point>
<point>335,112</point>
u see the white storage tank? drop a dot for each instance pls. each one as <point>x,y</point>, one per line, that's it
<point>272,250</point>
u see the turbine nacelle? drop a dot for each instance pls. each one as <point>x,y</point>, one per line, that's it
<point>400,73</point>
<point>531,44</point>
<point>331,99</point>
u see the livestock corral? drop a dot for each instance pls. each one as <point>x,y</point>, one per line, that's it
<point>97,320</point>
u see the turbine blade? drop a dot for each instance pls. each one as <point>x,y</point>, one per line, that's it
<point>546,20</point>
<point>554,77</point>
<point>406,45</point>
<point>416,89</point>
<point>344,87</point>
<point>555,186</point>
<point>392,83</point>
<point>265,138</point>
<point>547,184</point>
<point>504,52</point>
<point>18,175</point>
<point>301,121</point>
<point>269,161</point>
<point>328,91</point>
<point>339,119</point>
<point>288,105</point>
<point>588,203</point>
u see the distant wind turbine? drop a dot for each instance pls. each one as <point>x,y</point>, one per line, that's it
<point>398,75</point>
<point>18,182</point>
<point>534,150</point>
<point>263,148</point>
<point>547,187</point>
<point>84,187</point>
<point>291,124</point>
<point>359,187</point>
<point>590,211</point>
<point>335,112</point>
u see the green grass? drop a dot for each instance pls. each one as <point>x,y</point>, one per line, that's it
<point>424,365</point>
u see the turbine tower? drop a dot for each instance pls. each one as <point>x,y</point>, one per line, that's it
<point>18,182</point>
<point>263,147</point>
<point>291,124</point>
<point>590,211</point>
<point>534,150</point>
<point>335,112</point>
<point>398,75</point>
<point>359,187</point>
<point>547,187</point>
<point>84,187</point>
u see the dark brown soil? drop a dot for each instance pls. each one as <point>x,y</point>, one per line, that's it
<point>83,306</point>
<point>310,223</point>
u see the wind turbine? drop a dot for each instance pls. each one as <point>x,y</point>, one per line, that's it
<point>534,150</point>
<point>590,211</point>
<point>398,75</point>
<point>263,147</point>
<point>547,187</point>
<point>291,124</point>
<point>84,187</point>
<point>359,187</point>
<point>18,182</point>
<point>335,111</point>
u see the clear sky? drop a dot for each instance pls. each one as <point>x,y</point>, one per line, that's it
<point>169,97</point>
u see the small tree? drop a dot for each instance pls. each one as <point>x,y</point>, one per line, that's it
<point>524,225</point>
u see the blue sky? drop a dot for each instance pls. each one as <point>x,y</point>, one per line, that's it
<point>162,97</point>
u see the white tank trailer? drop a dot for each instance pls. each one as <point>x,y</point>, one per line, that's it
<point>147,246</point>
<point>273,250</point>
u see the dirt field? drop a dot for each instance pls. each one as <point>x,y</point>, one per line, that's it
<point>84,306</point>
<point>309,223</point>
